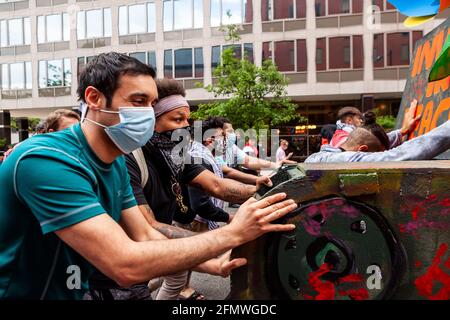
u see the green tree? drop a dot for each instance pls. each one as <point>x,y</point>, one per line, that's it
<point>2,143</point>
<point>32,123</point>
<point>249,96</point>
<point>387,122</point>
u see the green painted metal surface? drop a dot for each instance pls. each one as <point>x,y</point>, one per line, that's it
<point>374,238</point>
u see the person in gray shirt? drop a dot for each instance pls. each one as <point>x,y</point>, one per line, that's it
<point>370,143</point>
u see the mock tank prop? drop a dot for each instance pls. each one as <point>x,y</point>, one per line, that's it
<point>366,230</point>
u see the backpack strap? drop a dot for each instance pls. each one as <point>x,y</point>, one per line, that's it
<point>140,159</point>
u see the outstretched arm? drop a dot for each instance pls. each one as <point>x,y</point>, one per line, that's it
<point>234,174</point>
<point>105,244</point>
<point>225,189</point>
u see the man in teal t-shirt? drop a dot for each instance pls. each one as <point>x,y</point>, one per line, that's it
<point>67,207</point>
<point>72,184</point>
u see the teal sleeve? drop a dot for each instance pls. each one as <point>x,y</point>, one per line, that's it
<point>58,191</point>
<point>128,196</point>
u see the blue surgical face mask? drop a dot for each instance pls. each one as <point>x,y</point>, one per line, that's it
<point>231,138</point>
<point>135,128</point>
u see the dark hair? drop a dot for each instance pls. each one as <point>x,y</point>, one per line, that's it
<point>169,87</point>
<point>328,131</point>
<point>370,118</point>
<point>213,123</point>
<point>217,121</point>
<point>348,111</point>
<point>105,70</point>
<point>370,124</point>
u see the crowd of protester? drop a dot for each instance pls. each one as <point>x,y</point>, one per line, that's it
<point>107,194</point>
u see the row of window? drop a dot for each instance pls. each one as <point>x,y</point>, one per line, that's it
<point>290,9</point>
<point>346,52</point>
<point>52,73</point>
<point>177,14</point>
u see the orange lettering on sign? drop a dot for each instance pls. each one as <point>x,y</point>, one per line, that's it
<point>418,111</point>
<point>428,53</point>
<point>443,106</point>
<point>425,124</point>
<point>435,87</point>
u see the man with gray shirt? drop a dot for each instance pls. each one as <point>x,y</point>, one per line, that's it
<point>370,144</point>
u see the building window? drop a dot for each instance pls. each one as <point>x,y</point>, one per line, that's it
<point>188,63</point>
<point>383,5</point>
<point>284,55</point>
<point>319,7</point>
<point>302,58</point>
<point>53,28</point>
<point>397,46</point>
<point>241,51</point>
<point>378,50</point>
<point>338,6</point>
<point>288,56</point>
<point>15,32</point>
<point>55,73</point>
<point>339,52</point>
<point>16,76</point>
<point>145,57</point>
<point>198,61</point>
<point>357,6</point>
<point>182,14</point>
<point>215,57</point>
<point>358,52</point>
<point>231,12</point>
<point>248,52</point>
<point>94,24</point>
<point>237,50</point>
<point>137,18</point>
<point>283,9</point>
<point>183,63</point>
<point>321,54</point>
<point>332,7</point>
<point>300,8</point>
<point>168,64</point>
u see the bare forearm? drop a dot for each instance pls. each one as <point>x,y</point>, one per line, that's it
<point>171,232</point>
<point>152,259</point>
<point>258,164</point>
<point>236,192</point>
<point>241,176</point>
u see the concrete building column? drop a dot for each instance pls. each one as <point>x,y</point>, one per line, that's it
<point>207,75</point>
<point>159,39</point>
<point>370,26</point>
<point>257,33</point>
<point>34,55</point>
<point>311,41</point>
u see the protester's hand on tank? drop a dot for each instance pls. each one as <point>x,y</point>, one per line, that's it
<point>224,265</point>
<point>411,119</point>
<point>263,181</point>
<point>254,218</point>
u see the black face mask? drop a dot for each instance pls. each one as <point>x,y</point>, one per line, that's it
<point>166,136</point>
<point>161,146</point>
